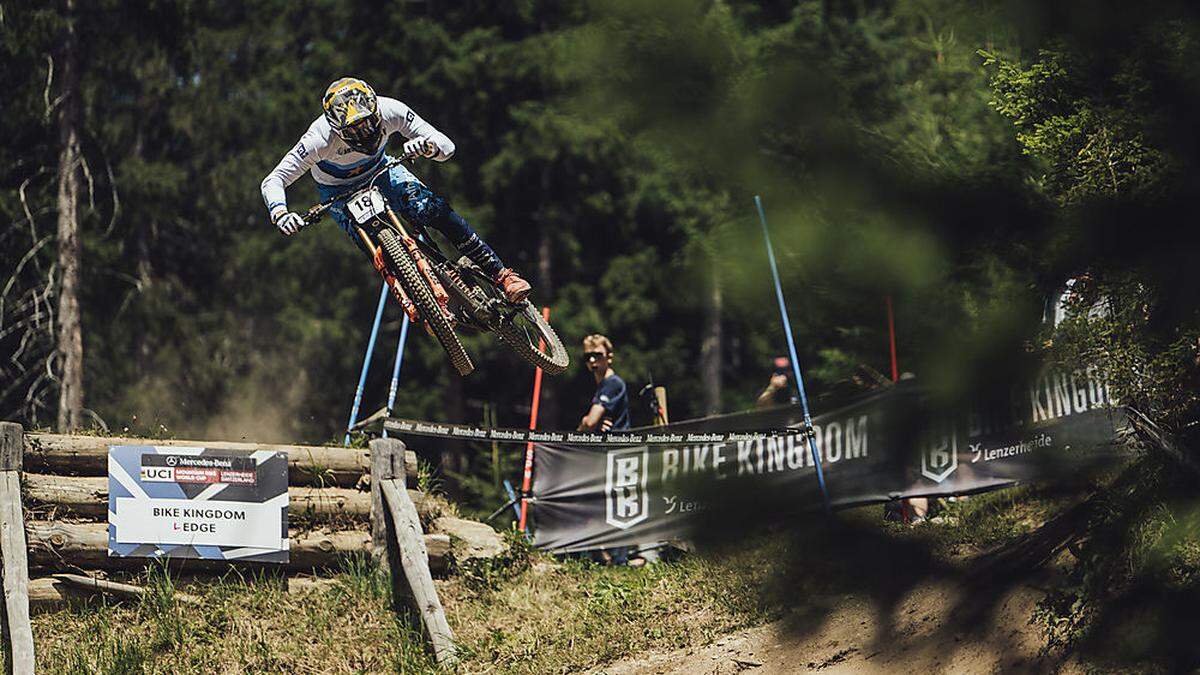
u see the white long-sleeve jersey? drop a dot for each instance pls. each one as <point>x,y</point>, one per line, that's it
<point>331,162</point>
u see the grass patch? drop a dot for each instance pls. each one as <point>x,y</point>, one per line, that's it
<point>243,625</point>
<point>1133,585</point>
<point>528,614</point>
<point>531,613</point>
<point>573,615</point>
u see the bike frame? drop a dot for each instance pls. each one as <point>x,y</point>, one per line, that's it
<point>411,244</point>
<point>423,250</point>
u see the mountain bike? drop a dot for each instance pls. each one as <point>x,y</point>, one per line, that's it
<point>445,294</point>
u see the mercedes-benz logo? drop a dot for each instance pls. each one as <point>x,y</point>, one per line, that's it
<point>172,460</point>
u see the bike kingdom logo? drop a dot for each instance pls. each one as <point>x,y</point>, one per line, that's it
<point>628,503</point>
<point>939,452</point>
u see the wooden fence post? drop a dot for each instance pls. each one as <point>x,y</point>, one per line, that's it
<point>414,559</point>
<point>386,454</point>
<point>405,545</point>
<point>12,548</point>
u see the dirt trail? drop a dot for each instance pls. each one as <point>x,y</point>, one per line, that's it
<point>929,630</point>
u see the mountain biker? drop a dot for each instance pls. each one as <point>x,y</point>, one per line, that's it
<point>346,145</point>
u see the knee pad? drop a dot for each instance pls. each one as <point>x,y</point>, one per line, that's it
<point>425,207</point>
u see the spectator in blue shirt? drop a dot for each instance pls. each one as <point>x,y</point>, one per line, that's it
<point>609,411</point>
<point>610,405</point>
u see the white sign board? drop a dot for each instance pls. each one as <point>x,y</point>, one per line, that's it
<point>190,502</point>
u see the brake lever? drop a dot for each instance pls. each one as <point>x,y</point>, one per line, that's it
<point>314,214</point>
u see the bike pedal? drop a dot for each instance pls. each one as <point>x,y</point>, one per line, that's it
<point>466,262</point>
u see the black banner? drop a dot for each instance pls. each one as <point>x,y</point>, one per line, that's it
<point>882,447</point>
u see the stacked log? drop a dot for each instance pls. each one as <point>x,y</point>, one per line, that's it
<point>313,465</point>
<point>55,545</point>
<point>87,497</point>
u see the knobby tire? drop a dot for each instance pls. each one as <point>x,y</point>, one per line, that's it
<point>422,296</point>
<point>525,345</point>
<point>554,361</point>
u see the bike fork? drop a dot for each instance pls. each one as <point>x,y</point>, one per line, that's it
<point>409,307</point>
<point>439,292</point>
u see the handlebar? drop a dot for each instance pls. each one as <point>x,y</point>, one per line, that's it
<point>315,212</point>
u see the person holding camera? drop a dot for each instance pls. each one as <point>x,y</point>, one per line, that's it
<point>778,391</point>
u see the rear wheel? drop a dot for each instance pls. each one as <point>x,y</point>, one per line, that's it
<point>520,326</point>
<point>419,292</point>
<point>532,338</point>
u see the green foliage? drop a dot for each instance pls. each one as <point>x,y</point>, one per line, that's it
<point>610,153</point>
<point>1138,556</point>
<point>1088,138</point>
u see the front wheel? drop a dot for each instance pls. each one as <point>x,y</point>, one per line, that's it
<point>419,292</point>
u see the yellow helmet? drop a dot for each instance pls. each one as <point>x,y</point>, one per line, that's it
<point>352,110</point>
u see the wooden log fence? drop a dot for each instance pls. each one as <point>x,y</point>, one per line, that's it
<point>69,479</point>
<point>396,523</point>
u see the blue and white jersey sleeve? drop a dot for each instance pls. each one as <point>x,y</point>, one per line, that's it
<point>398,118</point>
<point>299,160</point>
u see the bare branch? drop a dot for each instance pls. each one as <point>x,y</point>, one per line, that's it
<point>23,345</point>
<point>50,359</point>
<point>21,379</point>
<point>23,312</point>
<point>17,326</point>
<point>116,198</point>
<point>49,83</point>
<point>20,266</point>
<point>47,299</point>
<point>87,173</point>
<point>97,419</point>
<point>33,391</point>
<point>28,213</point>
<point>25,205</point>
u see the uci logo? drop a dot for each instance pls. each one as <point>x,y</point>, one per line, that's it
<point>625,485</point>
<point>158,474</point>
<point>939,452</point>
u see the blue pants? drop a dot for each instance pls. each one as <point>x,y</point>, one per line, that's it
<point>417,204</point>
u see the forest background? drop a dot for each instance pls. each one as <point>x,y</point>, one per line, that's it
<point>965,158</point>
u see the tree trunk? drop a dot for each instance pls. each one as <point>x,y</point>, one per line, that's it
<point>70,332</point>
<point>548,407</point>
<point>711,344</point>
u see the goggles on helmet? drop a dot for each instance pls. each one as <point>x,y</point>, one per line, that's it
<point>363,134</point>
<point>353,112</point>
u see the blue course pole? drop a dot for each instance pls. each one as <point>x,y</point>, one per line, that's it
<point>512,498</point>
<point>396,368</point>
<point>787,330</point>
<point>362,377</point>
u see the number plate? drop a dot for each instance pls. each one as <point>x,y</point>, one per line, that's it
<point>366,205</point>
